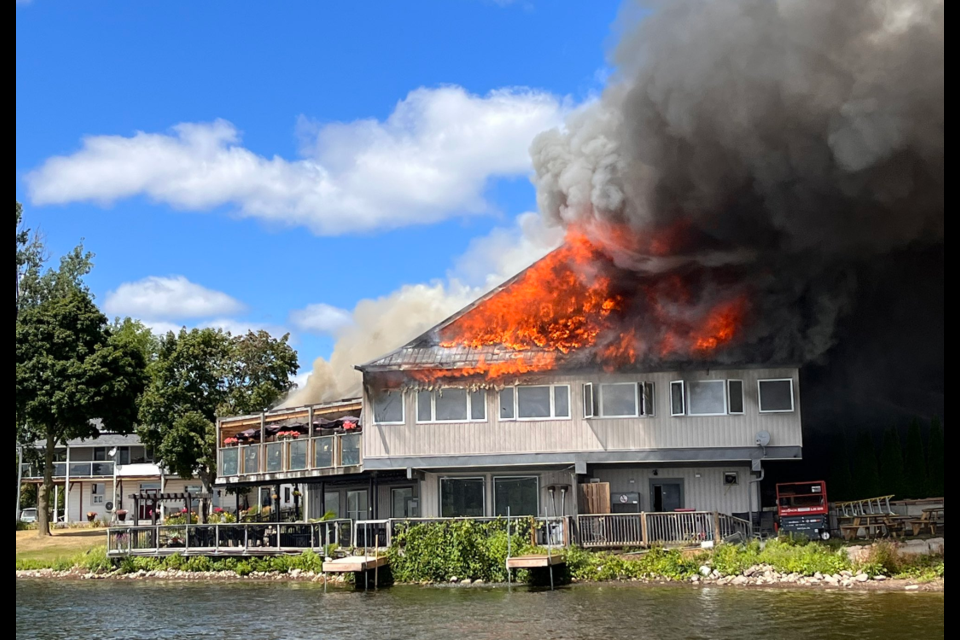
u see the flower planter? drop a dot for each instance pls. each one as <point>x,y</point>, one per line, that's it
<point>121,514</point>
<point>91,516</point>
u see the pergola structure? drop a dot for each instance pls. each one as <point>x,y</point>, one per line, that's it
<point>153,498</point>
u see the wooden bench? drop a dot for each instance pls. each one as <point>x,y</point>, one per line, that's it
<point>929,520</point>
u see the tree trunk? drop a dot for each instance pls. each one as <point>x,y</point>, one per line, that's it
<point>43,494</point>
<point>207,489</point>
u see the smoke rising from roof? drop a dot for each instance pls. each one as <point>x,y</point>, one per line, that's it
<point>804,137</point>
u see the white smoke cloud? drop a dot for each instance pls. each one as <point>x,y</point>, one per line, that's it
<point>429,160</point>
<point>380,325</point>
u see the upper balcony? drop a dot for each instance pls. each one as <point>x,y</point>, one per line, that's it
<point>288,445</point>
<point>78,470</point>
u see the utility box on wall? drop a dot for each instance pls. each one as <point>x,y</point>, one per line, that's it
<point>625,503</point>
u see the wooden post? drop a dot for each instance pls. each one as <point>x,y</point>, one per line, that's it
<point>716,527</point>
<point>643,529</point>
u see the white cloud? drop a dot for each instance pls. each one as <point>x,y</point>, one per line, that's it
<point>430,159</point>
<point>165,298</point>
<point>320,318</point>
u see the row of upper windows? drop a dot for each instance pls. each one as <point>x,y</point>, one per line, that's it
<point>605,400</point>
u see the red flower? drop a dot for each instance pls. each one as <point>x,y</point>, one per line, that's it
<point>184,510</point>
<point>217,510</point>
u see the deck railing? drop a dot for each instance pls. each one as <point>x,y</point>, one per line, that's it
<point>321,452</point>
<point>227,539</point>
<point>549,531</point>
<point>649,529</point>
<point>87,469</point>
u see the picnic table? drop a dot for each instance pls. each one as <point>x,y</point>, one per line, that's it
<point>874,525</point>
<point>929,519</point>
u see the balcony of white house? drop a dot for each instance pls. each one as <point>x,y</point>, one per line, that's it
<point>30,471</point>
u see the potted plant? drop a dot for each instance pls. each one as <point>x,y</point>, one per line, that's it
<point>91,516</point>
<point>121,514</point>
<point>230,442</point>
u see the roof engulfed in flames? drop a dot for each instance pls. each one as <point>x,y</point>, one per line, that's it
<point>576,307</point>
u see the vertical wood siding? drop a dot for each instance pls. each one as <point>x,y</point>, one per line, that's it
<point>661,431</point>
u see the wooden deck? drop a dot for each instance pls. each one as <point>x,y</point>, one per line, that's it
<point>534,561</point>
<point>355,564</point>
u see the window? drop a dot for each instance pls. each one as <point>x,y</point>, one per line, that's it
<point>588,409</point>
<point>706,398</point>
<point>461,497</point>
<point>97,492</point>
<point>388,406</point>
<point>403,504</point>
<point>99,454</point>
<point>506,403</point>
<point>521,494</point>
<point>451,404</point>
<point>619,399</point>
<point>357,504</point>
<point>535,402</point>
<point>286,494</point>
<point>331,503</point>
<point>677,407</point>
<point>776,396</point>
<point>735,395</point>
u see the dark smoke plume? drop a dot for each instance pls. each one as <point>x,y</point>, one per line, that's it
<point>804,139</point>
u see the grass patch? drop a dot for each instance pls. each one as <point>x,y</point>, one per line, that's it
<point>64,546</point>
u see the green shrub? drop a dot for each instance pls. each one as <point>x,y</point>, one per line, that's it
<point>243,568</point>
<point>95,560</point>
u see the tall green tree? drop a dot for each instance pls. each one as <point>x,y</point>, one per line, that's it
<point>840,484</point>
<point>71,369</point>
<point>891,464</point>
<point>935,459</point>
<point>866,474</point>
<point>200,374</point>
<point>914,464</point>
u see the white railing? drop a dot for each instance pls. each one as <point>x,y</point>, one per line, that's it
<point>240,538</point>
<point>301,454</point>
<point>649,529</point>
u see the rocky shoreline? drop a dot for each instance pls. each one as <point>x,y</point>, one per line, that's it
<point>757,576</point>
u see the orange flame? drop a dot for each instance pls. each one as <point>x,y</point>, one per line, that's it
<point>575,302</point>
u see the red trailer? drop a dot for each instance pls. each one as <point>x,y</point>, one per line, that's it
<point>802,508</point>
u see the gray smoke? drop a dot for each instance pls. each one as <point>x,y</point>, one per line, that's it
<point>806,135</point>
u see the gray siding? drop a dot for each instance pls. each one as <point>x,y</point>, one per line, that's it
<point>658,432</point>
<point>704,493</point>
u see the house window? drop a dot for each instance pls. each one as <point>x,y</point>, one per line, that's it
<point>99,454</point>
<point>451,404</point>
<point>286,494</point>
<point>535,402</point>
<point>588,409</point>
<point>619,399</point>
<point>461,497</point>
<point>776,396</point>
<point>403,504</point>
<point>520,494</point>
<point>388,406</point>
<point>677,404</point>
<point>707,398</point>
<point>98,491</point>
<point>331,503</point>
<point>735,396</point>
<point>357,504</point>
<point>506,403</point>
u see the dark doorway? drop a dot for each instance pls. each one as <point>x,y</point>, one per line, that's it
<point>666,494</point>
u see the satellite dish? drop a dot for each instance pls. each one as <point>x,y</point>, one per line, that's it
<point>112,452</point>
<point>763,438</point>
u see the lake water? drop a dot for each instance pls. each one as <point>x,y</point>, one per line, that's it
<point>251,610</point>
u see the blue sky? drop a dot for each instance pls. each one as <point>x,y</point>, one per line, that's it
<point>324,152</point>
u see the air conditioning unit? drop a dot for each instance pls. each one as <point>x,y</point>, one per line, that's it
<point>625,502</point>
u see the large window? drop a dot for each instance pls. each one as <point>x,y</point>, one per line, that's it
<point>97,492</point>
<point>706,397</point>
<point>331,503</point>
<point>776,396</point>
<point>535,402</point>
<point>521,494</point>
<point>388,406</point>
<point>461,497</point>
<point>451,404</point>
<point>625,399</point>
<point>357,504</point>
<point>403,504</point>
